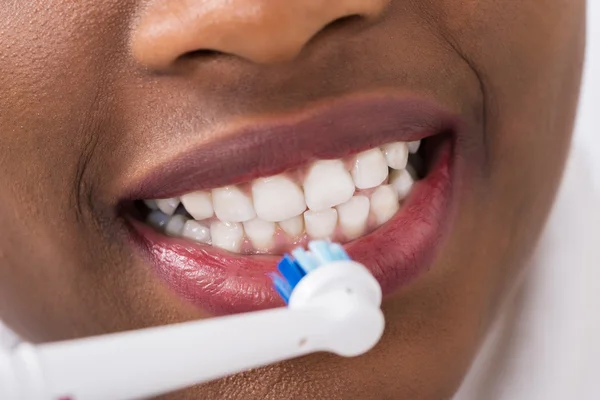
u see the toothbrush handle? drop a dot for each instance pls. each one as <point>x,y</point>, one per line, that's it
<point>158,360</point>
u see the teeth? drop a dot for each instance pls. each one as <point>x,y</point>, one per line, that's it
<point>157,219</point>
<point>320,224</point>
<point>353,216</point>
<point>175,225</point>
<point>339,199</point>
<point>277,198</point>
<point>151,204</point>
<point>198,204</point>
<point>293,226</point>
<point>227,235</point>
<point>168,206</point>
<point>232,205</point>
<point>413,147</point>
<point>260,233</point>
<point>402,182</point>
<point>195,231</point>
<point>396,155</point>
<point>370,169</point>
<point>327,184</point>
<point>384,203</point>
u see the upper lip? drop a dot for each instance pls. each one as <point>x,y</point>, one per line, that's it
<point>270,146</point>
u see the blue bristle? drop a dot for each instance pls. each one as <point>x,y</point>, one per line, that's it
<point>293,269</point>
<point>338,252</point>
<point>281,286</point>
<point>320,249</point>
<point>306,260</point>
<point>290,270</point>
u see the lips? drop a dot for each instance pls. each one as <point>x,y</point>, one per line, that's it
<point>397,252</point>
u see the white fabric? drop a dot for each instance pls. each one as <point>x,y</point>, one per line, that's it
<point>7,338</point>
<point>545,345</point>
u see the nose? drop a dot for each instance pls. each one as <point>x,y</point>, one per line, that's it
<point>261,31</point>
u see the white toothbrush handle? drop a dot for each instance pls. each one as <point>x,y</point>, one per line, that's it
<point>153,361</point>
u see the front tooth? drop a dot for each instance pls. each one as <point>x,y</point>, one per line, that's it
<point>320,224</point>
<point>198,204</point>
<point>396,154</point>
<point>260,233</point>
<point>277,198</point>
<point>353,216</point>
<point>402,182</point>
<point>196,231</point>
<point>327,184</point>
<point>413,147</point>
<point>168,206</point>
<point>370,169</point>
<point>293,226</point>
<point>157,219</point>
<point>227,235</point>
<point>384,203</point>
<point>175,225</point>
<point>232,205</point>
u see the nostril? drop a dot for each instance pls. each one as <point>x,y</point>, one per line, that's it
<point>271,32</point>
<point>201,53</point>
<point>344,22</point>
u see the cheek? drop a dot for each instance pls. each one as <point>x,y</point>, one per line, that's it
<point>529,68</point>
<point>528,58</point>
<point>50,92</point>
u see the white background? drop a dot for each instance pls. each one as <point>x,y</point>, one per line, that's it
<point>588,124</point>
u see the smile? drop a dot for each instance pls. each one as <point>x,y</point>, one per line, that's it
<point>373,173</point>
<point>339,199</point>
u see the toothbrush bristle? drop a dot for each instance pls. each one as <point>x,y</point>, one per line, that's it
<point>293,269</point>
<point>290,270</point>
<point>281,286</point>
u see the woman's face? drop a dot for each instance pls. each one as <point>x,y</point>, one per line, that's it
<point>104,102</point>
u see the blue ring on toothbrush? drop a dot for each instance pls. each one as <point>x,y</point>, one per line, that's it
<point>292,268</point>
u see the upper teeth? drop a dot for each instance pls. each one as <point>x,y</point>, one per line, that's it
<point>413,147</point>
<point>232,205</point>
<point>396,155</point>
<point>353,194</point>
<point>327,184</point>
<point>277,198</point>
<point>370,169</point>
<point>198,204</point>
<point>167,206</point>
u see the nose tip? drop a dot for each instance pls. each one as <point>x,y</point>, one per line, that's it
<point>261,31</point>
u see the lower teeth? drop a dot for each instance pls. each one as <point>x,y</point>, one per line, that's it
<point>239,230</point>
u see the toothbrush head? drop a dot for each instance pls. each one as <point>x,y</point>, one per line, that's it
<point>324,280</point>
<point>292,268</point>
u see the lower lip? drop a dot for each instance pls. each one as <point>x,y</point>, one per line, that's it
<point>396,253</point>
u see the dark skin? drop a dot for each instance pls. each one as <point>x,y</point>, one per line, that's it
<point>94,92</point>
